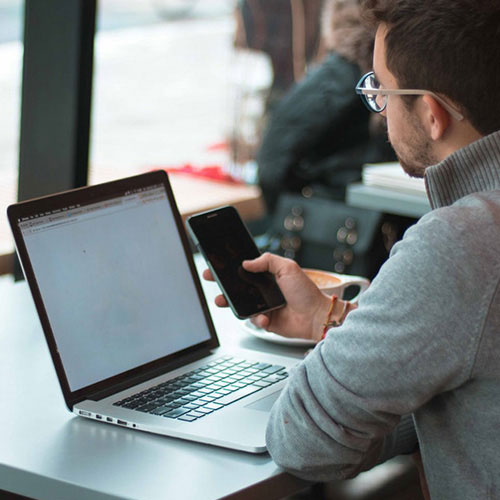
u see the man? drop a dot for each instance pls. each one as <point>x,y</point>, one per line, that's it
<point>421,352</point>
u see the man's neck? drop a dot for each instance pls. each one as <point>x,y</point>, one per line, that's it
<point>457,136</point>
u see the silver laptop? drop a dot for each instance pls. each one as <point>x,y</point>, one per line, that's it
<point>129,331</point>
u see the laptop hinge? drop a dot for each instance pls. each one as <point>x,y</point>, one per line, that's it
<point>150,374</point>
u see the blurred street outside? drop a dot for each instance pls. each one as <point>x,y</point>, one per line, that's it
<point>167,86</point>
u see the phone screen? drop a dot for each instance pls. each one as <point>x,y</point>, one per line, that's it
<point>225,242</point>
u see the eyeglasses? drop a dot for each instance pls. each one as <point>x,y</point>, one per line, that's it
<point>375,98</point>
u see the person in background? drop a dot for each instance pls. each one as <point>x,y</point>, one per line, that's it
<point>286,31</point>
<point>319,134</point>
<point>415,366</point>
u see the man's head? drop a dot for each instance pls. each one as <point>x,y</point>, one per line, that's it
<point>449,47</point>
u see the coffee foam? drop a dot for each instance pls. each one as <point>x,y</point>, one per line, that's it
<point>322,279</point>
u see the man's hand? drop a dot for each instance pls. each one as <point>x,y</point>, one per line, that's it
<point>306,308</point>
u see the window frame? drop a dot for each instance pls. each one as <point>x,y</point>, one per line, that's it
<point>55,99</point>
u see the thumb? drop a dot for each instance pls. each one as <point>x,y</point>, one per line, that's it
<point>258,265</point>
<point>275,264</point>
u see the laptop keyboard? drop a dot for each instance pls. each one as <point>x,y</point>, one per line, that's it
<point>202,391</point>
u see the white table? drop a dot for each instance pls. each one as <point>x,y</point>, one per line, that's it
<point>387,200</point>
<point>47,453</point>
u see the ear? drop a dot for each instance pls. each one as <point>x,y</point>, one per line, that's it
<point>437,118</point>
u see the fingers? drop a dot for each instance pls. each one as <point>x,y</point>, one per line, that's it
<point>220,301</point>
<point>207,275</point>
<point>261,321</point>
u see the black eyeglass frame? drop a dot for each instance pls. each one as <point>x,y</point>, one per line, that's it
<point>369,94</point>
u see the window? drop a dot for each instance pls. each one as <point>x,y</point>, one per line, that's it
<point>11,19</point>
<point>164,85</point>
<point>168,89</point>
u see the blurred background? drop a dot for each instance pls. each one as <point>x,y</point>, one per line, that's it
<point>168,88</point>
<point>255,90</point>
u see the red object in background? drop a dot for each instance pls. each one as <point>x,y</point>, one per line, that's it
<point>213,172</point>
<point>218,146</point>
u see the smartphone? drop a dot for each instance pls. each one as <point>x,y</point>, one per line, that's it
<point>225,242</point>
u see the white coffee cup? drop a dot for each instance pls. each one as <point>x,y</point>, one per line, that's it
<point>336,284</point>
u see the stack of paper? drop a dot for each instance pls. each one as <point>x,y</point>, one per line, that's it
<point>392,176</point>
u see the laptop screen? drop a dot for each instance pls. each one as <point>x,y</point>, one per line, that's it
<point>116,283</point>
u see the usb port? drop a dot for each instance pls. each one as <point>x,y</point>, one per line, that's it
<point>109,419</point>
<point>121,422</point>
<point>98,417</point>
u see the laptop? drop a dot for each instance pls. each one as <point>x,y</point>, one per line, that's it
<point>128,327</point>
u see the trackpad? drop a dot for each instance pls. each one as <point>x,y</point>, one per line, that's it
<point>264,404</point>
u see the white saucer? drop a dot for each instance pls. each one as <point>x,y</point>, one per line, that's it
<point>250,328</point>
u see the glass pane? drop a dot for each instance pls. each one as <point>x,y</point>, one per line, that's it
<point>169,86</point>
<point>11,22</point>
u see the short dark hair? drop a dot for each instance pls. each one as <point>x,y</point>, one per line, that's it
<point>451,47</point>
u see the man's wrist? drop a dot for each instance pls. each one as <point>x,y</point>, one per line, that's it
<point>333,312</point>
<point>320,317</point>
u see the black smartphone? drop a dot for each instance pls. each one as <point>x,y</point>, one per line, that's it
<point>225,242</point>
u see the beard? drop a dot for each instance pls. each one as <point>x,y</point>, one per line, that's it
<point>414,152</point>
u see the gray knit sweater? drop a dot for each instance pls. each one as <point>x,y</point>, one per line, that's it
<point>424,342</point>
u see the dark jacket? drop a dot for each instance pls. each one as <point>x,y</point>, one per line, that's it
<point>319,135</point>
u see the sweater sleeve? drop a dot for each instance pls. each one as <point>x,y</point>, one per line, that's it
<point>404,344</point>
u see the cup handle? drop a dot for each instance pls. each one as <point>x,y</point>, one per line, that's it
<point>363,284</point>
